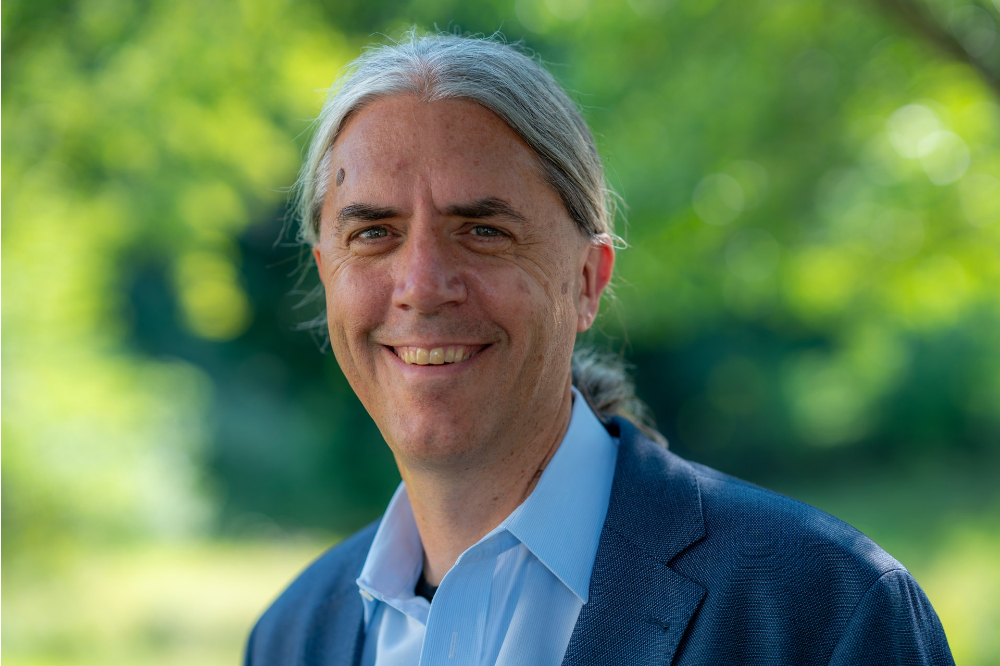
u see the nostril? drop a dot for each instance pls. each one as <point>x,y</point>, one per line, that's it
<point>428,290</point>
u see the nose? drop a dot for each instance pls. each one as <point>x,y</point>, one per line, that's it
<point>428,277</point>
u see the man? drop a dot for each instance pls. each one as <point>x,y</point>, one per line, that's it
<point>456,208</point>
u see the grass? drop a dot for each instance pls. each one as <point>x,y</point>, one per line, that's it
<point>156,604</point>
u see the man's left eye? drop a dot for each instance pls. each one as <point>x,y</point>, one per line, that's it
<point>485,231</point>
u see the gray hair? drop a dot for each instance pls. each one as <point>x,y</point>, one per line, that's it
<point>523,94</point>
<point>603,381</point>
<point>491,73</point>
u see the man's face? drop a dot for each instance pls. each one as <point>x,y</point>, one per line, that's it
<point>455,280</point>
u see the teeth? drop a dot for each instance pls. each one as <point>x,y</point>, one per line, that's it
<point>435,356</point>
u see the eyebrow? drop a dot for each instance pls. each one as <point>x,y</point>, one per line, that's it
<point>360,212</point>
<point>485,208</point>
<point>480,209</point>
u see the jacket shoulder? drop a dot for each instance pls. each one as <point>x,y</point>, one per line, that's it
<point>325,591</point>
<point>749,521</point>
<point>788,580</point>
<point>694,517</point>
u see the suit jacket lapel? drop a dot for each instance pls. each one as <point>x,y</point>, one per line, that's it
<point>639,608</point>
<point>336,637</point>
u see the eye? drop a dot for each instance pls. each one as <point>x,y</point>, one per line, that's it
<point>372,233</point>
<point>485,231</point>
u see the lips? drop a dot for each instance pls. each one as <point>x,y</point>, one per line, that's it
<point>437,355</point>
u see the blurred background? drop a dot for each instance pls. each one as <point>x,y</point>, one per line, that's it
<point>811,296</point>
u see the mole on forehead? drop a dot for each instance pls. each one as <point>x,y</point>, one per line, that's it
<point>340,177</point>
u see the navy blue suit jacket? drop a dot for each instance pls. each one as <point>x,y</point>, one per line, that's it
<point>693,567</point>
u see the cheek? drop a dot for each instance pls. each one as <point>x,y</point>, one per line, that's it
<point>535,310</point>
<point>356,299</point>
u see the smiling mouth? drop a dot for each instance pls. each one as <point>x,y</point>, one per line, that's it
<point>437,355</point>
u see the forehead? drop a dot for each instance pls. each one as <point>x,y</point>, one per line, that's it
<point>448,143</point>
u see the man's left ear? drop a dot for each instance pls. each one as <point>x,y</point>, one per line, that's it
<point>598,266</point>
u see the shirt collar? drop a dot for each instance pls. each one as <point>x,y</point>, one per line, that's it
<point>395,560</point>
<point>560,522</point>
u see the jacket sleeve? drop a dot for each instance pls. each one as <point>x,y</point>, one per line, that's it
<point>248,653</point>
<point>893,623</point>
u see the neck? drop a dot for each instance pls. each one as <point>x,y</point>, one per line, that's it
<point>455,507</point>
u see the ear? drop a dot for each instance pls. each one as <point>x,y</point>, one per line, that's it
<point>598,265</point>
<point>319,259</point>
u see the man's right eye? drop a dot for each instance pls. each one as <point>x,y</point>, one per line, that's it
<point>372,233</point>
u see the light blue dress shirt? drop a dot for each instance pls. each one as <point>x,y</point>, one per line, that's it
<point>512,598</point>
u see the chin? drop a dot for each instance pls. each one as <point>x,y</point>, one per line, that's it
<point>436,440</point>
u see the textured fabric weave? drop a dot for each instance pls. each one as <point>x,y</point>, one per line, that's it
<point>693,567</point>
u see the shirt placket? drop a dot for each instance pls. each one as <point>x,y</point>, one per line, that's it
<point>457,624</point>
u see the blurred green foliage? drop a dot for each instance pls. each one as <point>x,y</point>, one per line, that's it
<point>812,287</point>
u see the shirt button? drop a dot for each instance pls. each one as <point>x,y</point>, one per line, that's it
<point>366,596</point>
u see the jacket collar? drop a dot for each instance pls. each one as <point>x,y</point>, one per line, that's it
<point>336,635</point>
<point>639,607</point>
